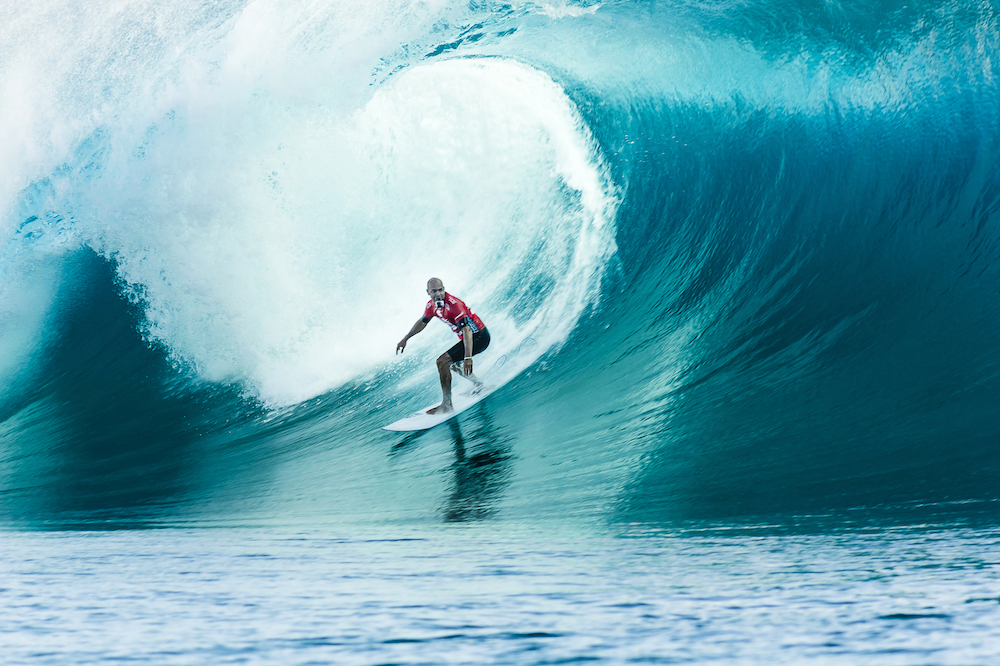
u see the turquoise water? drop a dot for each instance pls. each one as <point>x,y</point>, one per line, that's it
<point>755,247</point>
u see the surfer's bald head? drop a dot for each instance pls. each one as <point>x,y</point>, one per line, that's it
<point>435,289</point>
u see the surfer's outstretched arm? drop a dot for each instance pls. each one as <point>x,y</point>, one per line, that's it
<point>417,327</point>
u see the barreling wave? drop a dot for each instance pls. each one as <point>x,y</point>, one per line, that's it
<point>757,246</point>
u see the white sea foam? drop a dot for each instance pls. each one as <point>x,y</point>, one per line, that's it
<point>295,266</point>
<point>277,217</point>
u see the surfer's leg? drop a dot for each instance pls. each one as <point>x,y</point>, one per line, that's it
<point>480,341</point>
<point>457,369</point>
<point>444,370</point>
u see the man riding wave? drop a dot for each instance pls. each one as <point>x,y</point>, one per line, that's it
<point>472,335</point>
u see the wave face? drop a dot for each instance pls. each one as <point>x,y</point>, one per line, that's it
<point>736,259</point>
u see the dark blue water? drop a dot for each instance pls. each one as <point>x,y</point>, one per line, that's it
<point>753,247</point>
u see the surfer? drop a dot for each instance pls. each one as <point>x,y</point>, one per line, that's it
<point>472,337</point>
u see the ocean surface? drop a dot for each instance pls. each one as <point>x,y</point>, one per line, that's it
<point>741,266</point>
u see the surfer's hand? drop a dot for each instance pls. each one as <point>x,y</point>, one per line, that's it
<point>401,346</point>
<point>467,367</point>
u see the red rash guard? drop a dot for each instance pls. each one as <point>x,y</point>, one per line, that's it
<point>456,314</point>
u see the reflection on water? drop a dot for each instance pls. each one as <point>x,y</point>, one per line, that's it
<point>482,469</point>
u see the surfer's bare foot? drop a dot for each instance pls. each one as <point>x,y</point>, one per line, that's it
<point>443,408</point>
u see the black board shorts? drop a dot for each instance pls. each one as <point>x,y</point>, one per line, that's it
<point>480,341</point>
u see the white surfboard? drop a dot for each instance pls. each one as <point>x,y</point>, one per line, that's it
<point>502,372</point>
<point>422,420</point>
